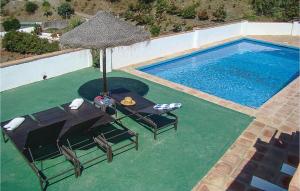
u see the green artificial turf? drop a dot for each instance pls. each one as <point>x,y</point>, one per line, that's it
<point>176,161</point>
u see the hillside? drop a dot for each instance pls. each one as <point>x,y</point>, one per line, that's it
<point>159,16</point>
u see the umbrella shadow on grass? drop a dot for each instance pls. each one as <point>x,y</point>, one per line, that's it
<point>93,88</point>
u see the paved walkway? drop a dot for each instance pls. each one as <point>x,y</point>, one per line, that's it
<point>271,139</point>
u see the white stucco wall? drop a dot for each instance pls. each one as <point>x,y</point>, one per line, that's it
<point>255,28</point>
<point>33,71</point>
<point>215,34</point>
<point>123,56</point>
<point>296,29</point>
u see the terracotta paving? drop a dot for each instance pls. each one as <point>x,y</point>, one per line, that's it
<point>271,139</point>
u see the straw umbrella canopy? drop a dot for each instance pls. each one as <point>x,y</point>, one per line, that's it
<point>103,31</point>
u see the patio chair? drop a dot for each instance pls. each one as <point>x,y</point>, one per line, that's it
<point>144,113</point>
<point>91,123</point>
<point>37,142</point>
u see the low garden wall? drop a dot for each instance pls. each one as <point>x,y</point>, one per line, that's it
<point>33,69</point>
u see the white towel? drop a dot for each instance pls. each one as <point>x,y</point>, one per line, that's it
<point>175,105</point>
<point>76,103</point>
<point>14,123</point>
<point>171,106</point>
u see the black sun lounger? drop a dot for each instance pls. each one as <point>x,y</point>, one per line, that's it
<point>90,120</point>
<point>143,111</point>
<point>37,142</point>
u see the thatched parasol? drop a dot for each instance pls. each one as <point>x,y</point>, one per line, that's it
<point>103,31</point>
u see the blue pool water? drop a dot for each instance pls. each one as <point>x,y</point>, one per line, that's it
<point>245,71</point>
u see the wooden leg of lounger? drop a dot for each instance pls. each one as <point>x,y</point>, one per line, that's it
<point>137,141</point>
<point>3,135</point>
<point>155,133</point>
<point>175,126</point>
<point>109,154</point>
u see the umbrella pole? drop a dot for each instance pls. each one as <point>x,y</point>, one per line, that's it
<point>105,91</point>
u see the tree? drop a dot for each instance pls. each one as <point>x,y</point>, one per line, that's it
<point>220,14</point>
<point>31,7</point>
<point>11,24</point>
<point>65,10</point>
<point>47,9</point>
<point>26,43</point>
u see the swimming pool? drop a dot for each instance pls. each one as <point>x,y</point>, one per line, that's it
<point>245,71</point>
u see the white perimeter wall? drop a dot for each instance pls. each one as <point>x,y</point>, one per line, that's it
<point>33,71</point>
<point>28,72</point>
<point>268,28</point>
<point>126,55</point>
<point>215,34</point>
<point>123,56</point>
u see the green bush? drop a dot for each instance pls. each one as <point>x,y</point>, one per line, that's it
<point>155,30</point>
<point>26,43</point>
<point>203,15</point>
<point>47,9</point>
<point>177,27</point>
<point>65,10</point>
<point>188,12</point>
<point>75,22</point>
<point>96,57</point>
<point>220,14</point>
<point>281,10</point>
<point>31,7</point>
<point>144,19</point>
<point>172,9</point>
<point>161,6</point>
<point>11,24</point>
<point>3,3</point>
<point>37,29</point>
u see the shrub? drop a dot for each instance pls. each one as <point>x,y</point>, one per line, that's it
<point>177,27</point>
<point>96,57</point>
<point>11,24</point>
<point>26,43</point>
<point>155,30</point>
<point>37,29</point>
<point>203,15</point>
<point>281,10</point>
<point>188,28</point>
<point>146,1</point>
<point>172,9</point>
<point>188,12</point>
<point>220,14</point>
<point>161,6</point>
<point>3,3</point>
<point>128,15</point>
<point>144,19</point>
<point>65,10</point>
<point>47,9</point>
<point>31,7</point>
<point>75,22</point>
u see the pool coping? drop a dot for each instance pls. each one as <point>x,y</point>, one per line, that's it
<point>224,172</point>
